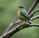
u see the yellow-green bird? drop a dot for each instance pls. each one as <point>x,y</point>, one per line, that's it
<point>23,14</point>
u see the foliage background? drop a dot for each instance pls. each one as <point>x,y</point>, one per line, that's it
<point>8,10</point>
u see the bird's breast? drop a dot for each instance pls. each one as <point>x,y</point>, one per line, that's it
<point>18,12</point>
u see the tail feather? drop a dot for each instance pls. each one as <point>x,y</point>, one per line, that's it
<point>29,21</point>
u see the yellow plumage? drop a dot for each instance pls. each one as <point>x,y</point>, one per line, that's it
<point>19,12</point>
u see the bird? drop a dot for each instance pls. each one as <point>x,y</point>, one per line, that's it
<point>23,14</point>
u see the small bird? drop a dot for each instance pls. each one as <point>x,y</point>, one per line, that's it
<point>23,14</point>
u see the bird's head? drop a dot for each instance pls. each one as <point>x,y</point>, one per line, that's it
<point>21,7</point>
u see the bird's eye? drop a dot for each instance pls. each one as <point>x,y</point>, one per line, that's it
<point>21,7</point>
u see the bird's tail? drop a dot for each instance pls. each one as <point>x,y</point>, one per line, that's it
<point>29,21</point>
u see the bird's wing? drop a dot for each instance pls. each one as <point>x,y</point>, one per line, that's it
<point>25,14</point>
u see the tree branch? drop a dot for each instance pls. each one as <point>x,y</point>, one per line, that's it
<point>37,0</point>
<point>33,12</point>
<point>16,29</point>
<point>35,17</point>
<point>32,6</point>
<point>11,25</point>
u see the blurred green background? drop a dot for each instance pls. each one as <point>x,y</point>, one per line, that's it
<point>8,10</point>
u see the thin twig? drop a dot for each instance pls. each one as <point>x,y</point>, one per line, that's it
<point>32,6</point>
<point>35,17</point>
<point>33,12</point>
<point>18,28</point>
